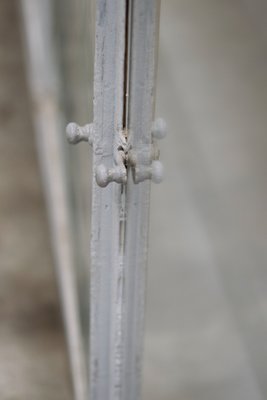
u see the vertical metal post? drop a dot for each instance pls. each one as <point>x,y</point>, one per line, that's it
<point>142,66</point>
<point>126,34</point>
<point>107,279</point>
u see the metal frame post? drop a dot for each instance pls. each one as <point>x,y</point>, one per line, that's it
<point>125,159</point>
<point>126,41</point>
<point>106,299</point>
<point>142,65</point>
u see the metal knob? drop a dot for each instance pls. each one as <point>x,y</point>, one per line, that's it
<point>76,133</point>
<point>106,175</point>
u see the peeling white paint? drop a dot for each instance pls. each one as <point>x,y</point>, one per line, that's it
<point>120,211</point>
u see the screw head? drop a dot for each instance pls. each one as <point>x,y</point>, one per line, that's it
<point>76,133</point>
<point>157,171</point>
<point>101,176</point>
<point>72,131</point>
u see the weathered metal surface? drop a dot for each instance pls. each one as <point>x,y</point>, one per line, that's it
<point>140,119</point>
<point>106,300</point>
<point>126,34</point>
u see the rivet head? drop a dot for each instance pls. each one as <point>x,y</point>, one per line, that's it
<point>76,133</point>
<point>104,175</point>
<point>101,176</point>
<point>157,171</point>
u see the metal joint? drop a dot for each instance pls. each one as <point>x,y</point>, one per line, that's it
<point>103,175</point>
<point>144,162</point>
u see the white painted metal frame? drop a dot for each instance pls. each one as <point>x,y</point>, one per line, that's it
<point>107,208</point>
<point>142,65</point>
<point>126,40</point>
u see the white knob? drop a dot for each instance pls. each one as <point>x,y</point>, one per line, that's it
<point>157,171</point>
<point>102,176</point>
<point>76,133</point>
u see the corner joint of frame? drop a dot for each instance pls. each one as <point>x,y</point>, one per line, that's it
<point>144,161</point>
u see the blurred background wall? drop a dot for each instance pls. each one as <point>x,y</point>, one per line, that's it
<point>207,297</point>
<point>207,275</point>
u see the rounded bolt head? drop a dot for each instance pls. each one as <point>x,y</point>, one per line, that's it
<point>101,176</point>
<point>76,133</point>
<point>159,129</point>
<point>72,131</point>
<point>157,172</point>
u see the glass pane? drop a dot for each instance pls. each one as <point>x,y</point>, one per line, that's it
<point>206,317</point>
<point>74,31</point>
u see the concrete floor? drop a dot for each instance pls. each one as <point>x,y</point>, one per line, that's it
<point>33,361</point>
<point>207,298</point>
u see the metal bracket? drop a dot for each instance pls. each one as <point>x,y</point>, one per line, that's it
<point>103,175</point>
<point>118,173</point>
<point>144,162</point>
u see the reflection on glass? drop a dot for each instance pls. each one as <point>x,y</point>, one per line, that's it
<point>74,35</point>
